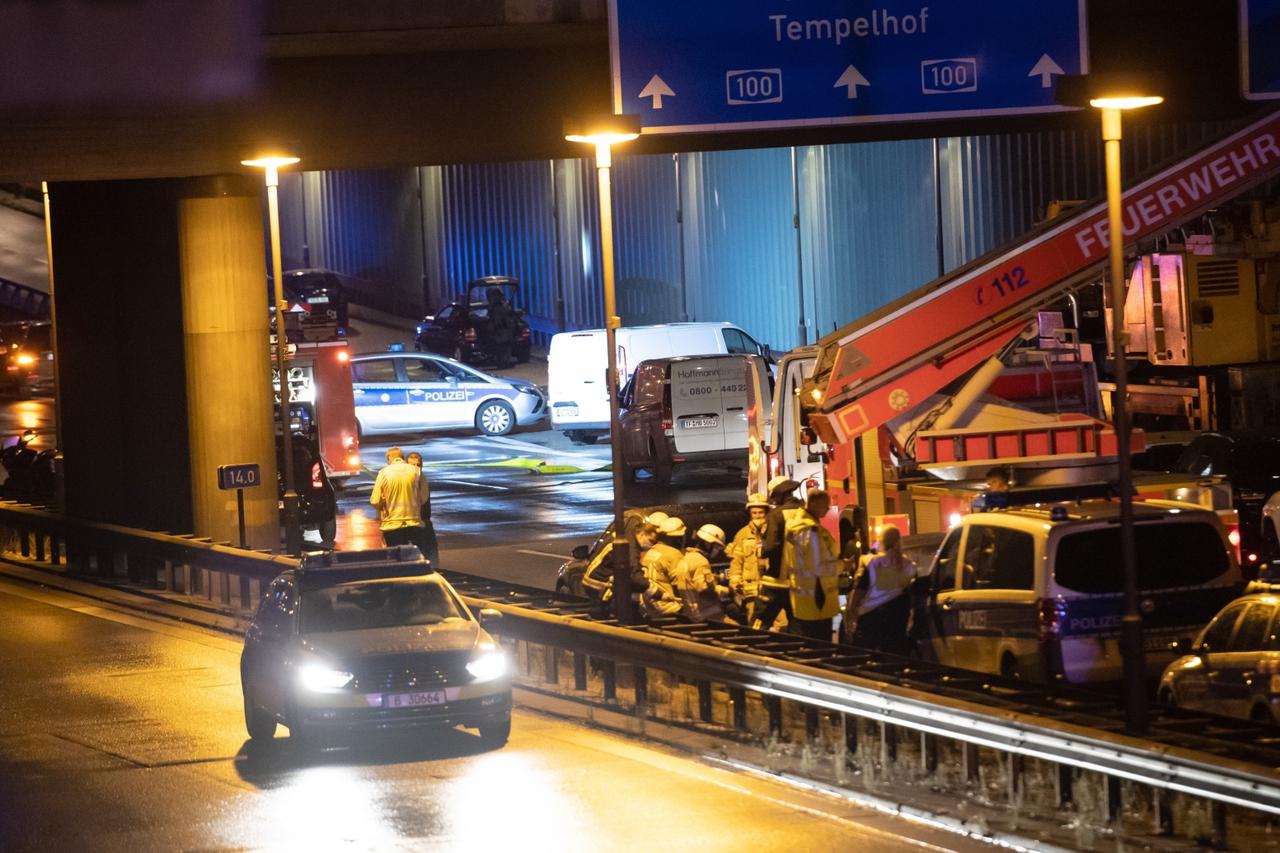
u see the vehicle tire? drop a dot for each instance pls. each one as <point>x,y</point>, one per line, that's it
<point>662,469</point>
<point>259,724</point>
<point>1260,714</point>
<point>1009,667</point>
<point>495,417</point>
<point>522,355</point>
<point>328,530</point>
<point>495,734</point>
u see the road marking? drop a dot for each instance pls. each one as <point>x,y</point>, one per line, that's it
<point>544,450</point>
<point>477,485</point>
<point>543,554</point>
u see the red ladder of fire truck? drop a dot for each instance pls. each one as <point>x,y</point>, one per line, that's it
<point>889,361</point>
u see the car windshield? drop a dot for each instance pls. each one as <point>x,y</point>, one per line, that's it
<point>377,604</point>
<point>1168,556</point>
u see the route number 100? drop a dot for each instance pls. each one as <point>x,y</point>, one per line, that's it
<point>756,86</point>
<point>948,76</point>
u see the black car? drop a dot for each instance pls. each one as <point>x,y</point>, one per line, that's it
<point>354,641</point>
<point>1251,463</point>
<point>462,330</point>
<point>317,498</point>
<point>318,290</point>
<point>587,573</point>
<point>28,358</point>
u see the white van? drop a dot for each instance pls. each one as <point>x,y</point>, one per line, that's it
<point>693,409</point>
<point>577,363</point>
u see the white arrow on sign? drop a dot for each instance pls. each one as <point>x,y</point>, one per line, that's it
<point>657,89</point>
<point>1045,69</point>
<point>852,78</point>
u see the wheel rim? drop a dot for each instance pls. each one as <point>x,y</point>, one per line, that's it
<point>495,419</point>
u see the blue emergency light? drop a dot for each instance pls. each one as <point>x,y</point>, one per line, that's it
<point>330,567</point>
<point>1072,493</point>
<point>396,347</point>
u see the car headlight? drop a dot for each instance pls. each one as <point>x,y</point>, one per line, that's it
<point>487,666</point>
<point>322,679</point>
<point>525,389</point>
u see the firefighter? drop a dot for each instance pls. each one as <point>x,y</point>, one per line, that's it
<point>811,567</point>
<point>880,605</point>
<point>774,593</point>
<point>746,557</point>
<point>395,496</point>
<point>657,593</point>
<point>694,581</point>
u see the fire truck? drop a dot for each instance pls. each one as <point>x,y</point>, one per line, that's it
<point>904,410</point>
<point>321,403</point>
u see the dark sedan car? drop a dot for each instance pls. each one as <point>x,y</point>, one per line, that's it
<point>462,329</point>
<point>316,495</point>
<point>317,290</point>
<point>359,640</point>
<point>1251,463</point>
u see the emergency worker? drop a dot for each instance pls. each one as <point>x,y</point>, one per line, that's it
<point>395,496</point>
<point>502,327</point>
<point>746,558</point>
<point>997,479</point>
<point>811,566</point>
<point>694,581</point>
<point>775,595</point>
<point>880,605</point>
<point>658,595</point>
<point>427,542</point>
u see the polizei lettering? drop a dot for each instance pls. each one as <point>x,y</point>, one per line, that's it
<point>879,23</point>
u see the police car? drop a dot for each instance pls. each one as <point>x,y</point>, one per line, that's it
<point>1034,589</point>
<point>411,392</point>
<point>371,640</point>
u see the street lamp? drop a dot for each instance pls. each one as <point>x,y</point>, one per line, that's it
<point>605,131</point>
<point>271,165</point>
<point>1113,94</point>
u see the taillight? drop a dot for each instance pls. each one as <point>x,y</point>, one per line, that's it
<point>524,333</point>
<point>316,473</point>
<point>343,355</point>
<point>1050,613</point>
<point>353,460</point>
<point>1233,536</point>
<point>469,334</point>
<point>25,359</point>
<point>667,422</point>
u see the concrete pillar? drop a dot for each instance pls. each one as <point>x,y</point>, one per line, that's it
<point>224,320</point>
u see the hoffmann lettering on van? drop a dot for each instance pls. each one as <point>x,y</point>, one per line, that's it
<point>1164,201</point>
<point>879,23</point>
<point>695,374</point>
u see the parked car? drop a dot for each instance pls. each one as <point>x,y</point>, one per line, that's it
<point>28,358</point>
<point>1232,667</point>
<point>414,392</point>
<point>317,498</point>
<point>577,363</point>
<point>1251,463</point>
<point>691,409</point>
<point>462,329</point>
<point>318,290</point>
<point>1035,590</point>
<point>588,574</point>
<point>359,640</point>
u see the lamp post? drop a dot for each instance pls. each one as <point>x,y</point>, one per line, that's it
<point>1112,94</point>
<point>271,164</point>
<point>604,132</point>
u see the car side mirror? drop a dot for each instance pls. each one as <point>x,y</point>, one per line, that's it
<point>488,615</point>
<point>580,552</point>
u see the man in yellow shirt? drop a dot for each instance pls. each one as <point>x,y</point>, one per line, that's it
<point>395,496</point>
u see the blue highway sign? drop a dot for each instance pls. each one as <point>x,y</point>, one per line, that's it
<point>239,476</point>
<point>741,64</point>
<point>1260,49</point>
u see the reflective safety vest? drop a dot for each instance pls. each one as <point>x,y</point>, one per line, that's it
<point>746,562</point>
<point>395,494</point>
<point>659,565</point>
<point>811,567</point>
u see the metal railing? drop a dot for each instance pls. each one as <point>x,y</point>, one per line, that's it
<point>756,686</point>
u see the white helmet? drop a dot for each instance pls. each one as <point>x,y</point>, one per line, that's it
<point>711,533</point>
<point>671,527</point>
<point>656,518</point>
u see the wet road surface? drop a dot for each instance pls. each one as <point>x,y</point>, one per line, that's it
<point>125,734</point>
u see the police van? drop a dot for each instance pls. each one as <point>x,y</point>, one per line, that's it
<point>401,391</point>
<point>1036,590</point>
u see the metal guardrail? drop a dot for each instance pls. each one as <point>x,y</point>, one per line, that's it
<point>25,300</point>
<point>1227,763</point>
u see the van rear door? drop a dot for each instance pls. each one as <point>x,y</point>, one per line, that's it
<point>576,391</point>
<point>709,404</point>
